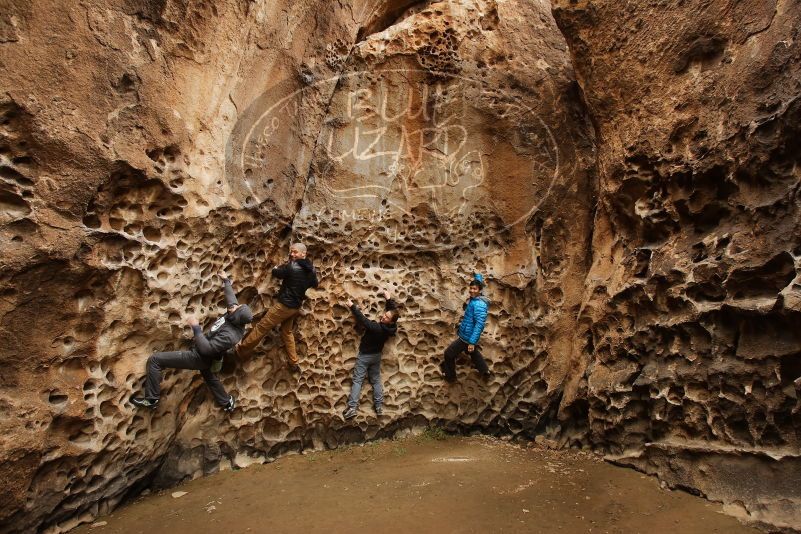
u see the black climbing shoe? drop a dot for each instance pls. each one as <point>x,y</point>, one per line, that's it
<point>379,410</point>
<point>445,375</point>
<point>144,403</point>
<point>294,368</point>
<point>229,408</point>
<point>486,376</point>
<point>350,413</point>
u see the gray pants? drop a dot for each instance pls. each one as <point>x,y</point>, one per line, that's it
<point>182,359</point>
<point>366,365</point>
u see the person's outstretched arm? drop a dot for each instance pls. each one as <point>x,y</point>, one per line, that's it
<point>313,281</point>
<point>372,326</point>
<point>310,272</point>
<point>281,271</point>
<point>230,296</point>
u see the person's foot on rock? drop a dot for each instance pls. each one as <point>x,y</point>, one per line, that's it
<point>487,376</point>
<point>140,402</point>
<point>294,368</point>
<point>447,379</point>
<point>350,413</point>
<point>379,410</point>
<point>445,375</point>
<point>229,407</point>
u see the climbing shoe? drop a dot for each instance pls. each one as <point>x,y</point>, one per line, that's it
<point>229,407</point>
<point>379,410</point>
<point>448,379</point>
<point>144,403</point>
<point>350,413</point>
<point>294,368</point>
<point>445,375</point>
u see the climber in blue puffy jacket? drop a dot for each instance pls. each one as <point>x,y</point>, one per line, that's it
<point>475,317</point>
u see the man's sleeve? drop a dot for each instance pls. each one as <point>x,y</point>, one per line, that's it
<point>230,296</point>
<point>213,347</point>
<point>364,321</point>
<point>281,271</point>
<point>479,320</point>
<point>313,282</point>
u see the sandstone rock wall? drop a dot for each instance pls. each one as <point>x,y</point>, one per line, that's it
<point>145,145</point>
<point>691,313</point>
<point>649,308</point>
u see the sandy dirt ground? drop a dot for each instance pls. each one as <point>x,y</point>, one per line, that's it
<point>424,484</point>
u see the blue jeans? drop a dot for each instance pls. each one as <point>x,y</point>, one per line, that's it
<point>366,365</point>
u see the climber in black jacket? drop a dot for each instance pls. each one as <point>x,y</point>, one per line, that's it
<point>368,361</point>
<point>206,354</point>
<point>297,275</point>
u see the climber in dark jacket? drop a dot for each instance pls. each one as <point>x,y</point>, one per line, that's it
<point>297,275</point>
<point>470,328</point>
<point>206,354</point>
<point>368,361</point>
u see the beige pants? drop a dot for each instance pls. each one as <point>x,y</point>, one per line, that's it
<point>277,314</point>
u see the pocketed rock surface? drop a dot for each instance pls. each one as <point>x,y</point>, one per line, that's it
<point>145,146</point>
<point>691,312</point>
<point>625,176</point>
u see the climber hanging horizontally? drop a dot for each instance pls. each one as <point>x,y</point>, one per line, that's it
<point>297,275</point>
<point>206,354</point>
<point>469,332</point>
<point>368,361</point>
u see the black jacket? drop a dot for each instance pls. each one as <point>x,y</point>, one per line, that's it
<point>297,277</point>
<point>225,332</point>
<point>375,333</point>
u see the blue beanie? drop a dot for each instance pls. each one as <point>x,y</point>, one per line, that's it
<point>478,280</point>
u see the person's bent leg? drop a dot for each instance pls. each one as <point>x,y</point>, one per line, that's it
<point>478,361</point>
<point>359,372</point>
<point>272,318</point>
<point>374,372</point>
<point>288,336</point>
<point>221,397</point>
<point>451,353</point>
<point>183,359</point>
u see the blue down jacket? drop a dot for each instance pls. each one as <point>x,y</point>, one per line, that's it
<point>475,316</point>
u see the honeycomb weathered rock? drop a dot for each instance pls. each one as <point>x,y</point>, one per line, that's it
<point>691,319</point>
<point>651,312</point>
<point>151,144</point>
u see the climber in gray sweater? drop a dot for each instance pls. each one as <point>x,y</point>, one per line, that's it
<point>206,354</point>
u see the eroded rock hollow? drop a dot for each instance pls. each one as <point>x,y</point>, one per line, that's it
<point>691,307</point>
<point>625,176</point>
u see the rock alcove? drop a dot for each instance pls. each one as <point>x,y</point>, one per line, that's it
<point>624,173</point>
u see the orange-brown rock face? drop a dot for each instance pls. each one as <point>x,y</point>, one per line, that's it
<point>691,366</point>
<point>654,315</point>
<point>146,145</point>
